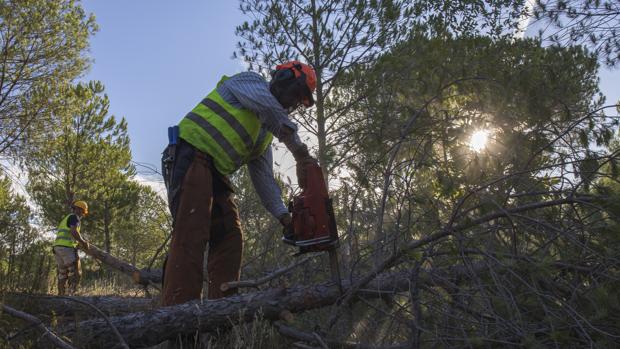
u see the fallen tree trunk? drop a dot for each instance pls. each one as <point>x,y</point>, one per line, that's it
<point>63,306</point>
<point>140,276</point>
<point>152,327</point>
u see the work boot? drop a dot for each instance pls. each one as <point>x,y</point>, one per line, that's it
<point>72,290</point>
<point>62,284</point>
<point>73,285</point>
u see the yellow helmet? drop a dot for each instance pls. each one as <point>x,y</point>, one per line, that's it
<point>81,204</point>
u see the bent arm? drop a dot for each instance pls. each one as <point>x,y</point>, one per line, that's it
<point>252,92</point>
<point>76,235</point>
<point>261,173</point>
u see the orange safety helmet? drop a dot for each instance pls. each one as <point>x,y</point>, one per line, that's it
<point>298,78</point>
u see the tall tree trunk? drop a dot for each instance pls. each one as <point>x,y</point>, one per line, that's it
<point>46,280</point>
<point>320,105</point>
<point>10,272</point>
<point>36,283</point>
<point>106,228</point>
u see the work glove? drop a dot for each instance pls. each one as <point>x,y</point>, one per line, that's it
<point>302,159</point>
<point>288,232</point>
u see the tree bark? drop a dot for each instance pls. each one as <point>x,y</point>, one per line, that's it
<point>43,305</point>
<point>321,134</point>
<point>152,327</point>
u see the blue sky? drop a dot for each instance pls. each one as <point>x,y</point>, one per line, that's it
<point>157,59</point>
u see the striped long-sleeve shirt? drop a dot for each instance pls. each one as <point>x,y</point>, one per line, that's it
<point>250,91</point>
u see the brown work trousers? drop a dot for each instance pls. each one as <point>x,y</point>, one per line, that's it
<point>204,214</point>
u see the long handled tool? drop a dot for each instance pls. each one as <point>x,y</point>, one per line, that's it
<point>314,223</point>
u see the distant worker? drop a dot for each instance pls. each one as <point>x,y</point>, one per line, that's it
<point>68,238</point>
<point>233,126</point>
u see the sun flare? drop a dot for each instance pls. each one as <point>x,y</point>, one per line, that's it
<point>479,140</point>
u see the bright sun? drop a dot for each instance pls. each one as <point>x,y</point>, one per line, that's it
<point>479,140</point>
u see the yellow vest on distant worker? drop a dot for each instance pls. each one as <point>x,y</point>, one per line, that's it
<point>63,235</point>
<point>231,136</point>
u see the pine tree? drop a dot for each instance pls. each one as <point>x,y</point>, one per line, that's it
<point>42,45</point>
<point>87,157</point>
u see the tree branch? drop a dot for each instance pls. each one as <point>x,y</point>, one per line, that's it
<point>48,334</point>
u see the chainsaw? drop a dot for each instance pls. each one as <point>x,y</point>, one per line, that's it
<point>313,220</point>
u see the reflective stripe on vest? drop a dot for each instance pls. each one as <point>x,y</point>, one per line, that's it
<point>232,136</point>
<point>63,234</point>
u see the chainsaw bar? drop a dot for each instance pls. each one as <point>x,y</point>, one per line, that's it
<point>313,220</point>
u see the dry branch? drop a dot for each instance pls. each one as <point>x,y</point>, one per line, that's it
<point>105,317</point>
<point>448,230</point>
<point>47,333</point>
<point>267,278</point>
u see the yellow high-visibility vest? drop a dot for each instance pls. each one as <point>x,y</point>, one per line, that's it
<point>63,235</point>
<point>231,136</point>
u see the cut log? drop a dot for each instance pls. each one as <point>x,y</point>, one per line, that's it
<point>140,276</point>
<point>152,327</point>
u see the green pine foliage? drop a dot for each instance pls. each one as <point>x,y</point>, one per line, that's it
<point>25,261</point>
<point>413,161</point>
<point>591,23</point>
<point>43,47</point>
<point>87,157</point>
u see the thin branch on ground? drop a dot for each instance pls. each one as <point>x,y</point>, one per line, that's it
<point>257,282</point>
<point>106,318</point>
<point>47,333</point>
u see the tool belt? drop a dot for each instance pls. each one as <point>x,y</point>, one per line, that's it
<point>169,155</point>
<point>176,160</point>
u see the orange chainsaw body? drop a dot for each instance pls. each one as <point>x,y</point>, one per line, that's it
<point>314,223</point>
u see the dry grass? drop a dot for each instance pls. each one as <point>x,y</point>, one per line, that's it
<point>112,286</point>
<point>259,334</point>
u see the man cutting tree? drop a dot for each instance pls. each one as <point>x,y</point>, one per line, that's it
<point>233,126</point>
<point>68,238</point>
